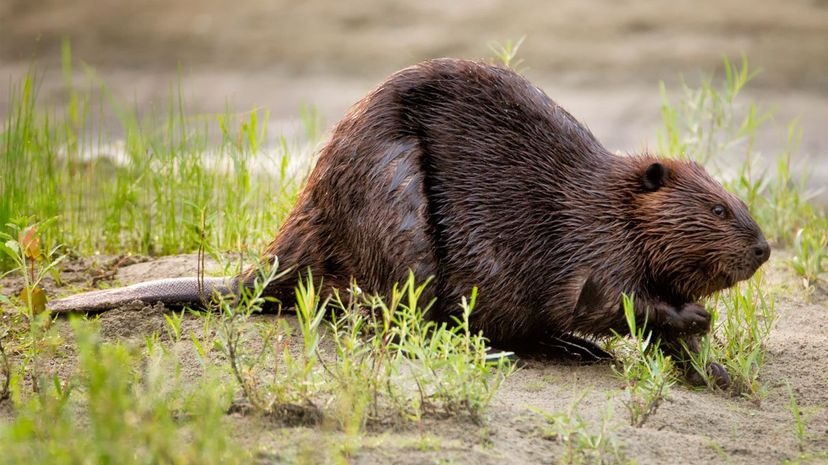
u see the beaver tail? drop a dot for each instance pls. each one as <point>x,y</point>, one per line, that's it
<point>174,292</point>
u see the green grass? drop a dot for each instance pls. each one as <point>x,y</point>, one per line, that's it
<point>810,247</point>
<point>582,442</point>
<point>800,427</point>
<point>384,360</point>
<point>742,320</point>
<point>505,54</point>
<point>121,406</point>
<point>118,181</point>
<point>647,373</point>
<point>131,403</point>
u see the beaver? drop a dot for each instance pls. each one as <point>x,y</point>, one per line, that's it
<point>466,173</point>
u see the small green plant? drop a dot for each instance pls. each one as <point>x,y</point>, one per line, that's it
<point>705,123</point>
<point>800,428</point>
<point>385,346</point>
<point>388,360</point>
<point>810,247</point>
<point>783,206</point>
<point>801,433</point>
<point>361,340</point>
<point>646,371</point>
<point>24,249</point>
<point>447,364</point>
<point>454,363</point>
<point>174,321</point>
<point>575,434</point>
<point>506,53</point>
<point>32,265</point>
<point>292,385</point>
<point>739,339</point>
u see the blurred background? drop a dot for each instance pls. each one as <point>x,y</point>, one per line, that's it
<point>601,59</point>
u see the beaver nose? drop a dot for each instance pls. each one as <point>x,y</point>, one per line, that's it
<point>761,252</point>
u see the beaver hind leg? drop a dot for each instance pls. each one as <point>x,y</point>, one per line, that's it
<point>565,348</point>
<point>716,373</point>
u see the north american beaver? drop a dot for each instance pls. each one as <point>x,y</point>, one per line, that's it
<point>468,173</point>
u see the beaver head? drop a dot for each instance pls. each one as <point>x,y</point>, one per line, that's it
<point>697,237</point>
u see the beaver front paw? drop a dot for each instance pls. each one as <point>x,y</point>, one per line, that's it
<point>690,319</point>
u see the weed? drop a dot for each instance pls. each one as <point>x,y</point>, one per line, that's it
<point>32,265</point>
<point>5,370</point>
<point>506,54</point>
<point>784,208</point>
<point>447,364</point>
<point>705,123</point>
<point>24,249</point>
<point>387,346</point>
<point>387,360</point>
<point>810,247</point>
<point>739,340</point>
<point>646,371</point>
<point>581,445</point>
<point>292,384</point>
<point>174,321</point>
<point>361,338</point>
<point>800,428</point>
<point>719,450</point>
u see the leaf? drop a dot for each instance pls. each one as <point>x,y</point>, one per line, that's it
<point>38,304</point>
<point>4,300</point>
<point>31,244</point>
<point>12,245</point>
<point>55,274</point>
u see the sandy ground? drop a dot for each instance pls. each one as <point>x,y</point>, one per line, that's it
<point>691,427</point>
<point>601,59</point>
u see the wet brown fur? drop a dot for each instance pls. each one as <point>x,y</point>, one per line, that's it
<point>467,173</point>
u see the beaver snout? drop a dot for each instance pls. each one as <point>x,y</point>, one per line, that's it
<point>760,252</point>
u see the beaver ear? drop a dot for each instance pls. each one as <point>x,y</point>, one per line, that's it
<point>654,177</point>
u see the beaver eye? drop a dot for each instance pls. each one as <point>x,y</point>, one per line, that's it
<point>719,210</point>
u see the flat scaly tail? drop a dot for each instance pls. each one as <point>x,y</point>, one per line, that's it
<point>174,292</point>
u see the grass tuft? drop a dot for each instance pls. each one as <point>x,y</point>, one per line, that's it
<point>384,360</point>
<point>121,407</point>
<point>582,443</point>
<point>742,319</point>
<point>648,374</point>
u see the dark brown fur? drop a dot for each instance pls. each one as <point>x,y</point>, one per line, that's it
<point>468,173</point>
